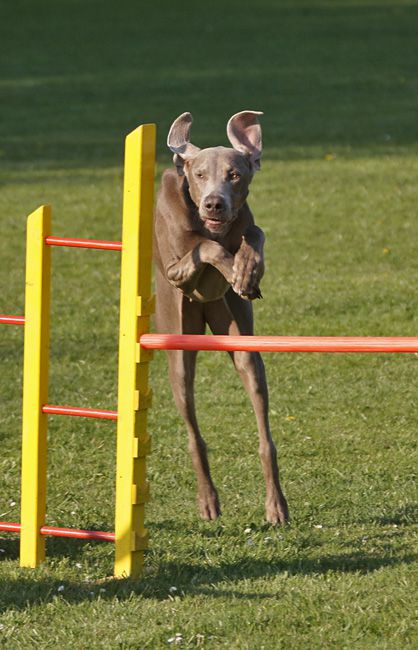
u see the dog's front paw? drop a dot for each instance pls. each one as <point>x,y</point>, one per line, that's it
<point>248,269</point>
<point>252,295</point>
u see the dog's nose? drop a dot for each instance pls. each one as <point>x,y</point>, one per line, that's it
<point>214,204</point>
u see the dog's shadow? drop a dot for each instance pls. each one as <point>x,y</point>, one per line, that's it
<point>171,580</point>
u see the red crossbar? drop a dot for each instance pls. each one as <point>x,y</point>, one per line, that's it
<point>280,343</point>
<point>55,531</point>
<point>80,412</point>
<point>12,320</point>
<point>78,533</point>
<point>84,243</point>
<point>10,526</point>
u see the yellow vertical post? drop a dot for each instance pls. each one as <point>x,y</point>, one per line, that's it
<point>35,387</point>
<point>134,394</point>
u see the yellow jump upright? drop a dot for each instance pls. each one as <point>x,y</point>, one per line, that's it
<point>134,394</point>
<point>35,387</point>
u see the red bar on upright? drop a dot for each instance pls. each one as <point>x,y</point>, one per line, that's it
<point>10,526</point>
<point>280,343</point>
<point>12,320</point>
<point>80,412</point>
<point>55,531</point>
<point>84,243</point>
<point>78,533</point>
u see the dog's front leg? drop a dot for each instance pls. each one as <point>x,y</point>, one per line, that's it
<point>248,266</point>
<point>185,272</point>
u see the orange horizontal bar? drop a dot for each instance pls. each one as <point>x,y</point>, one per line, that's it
<point>78,533</point>
<point>280,343</point>
<point>84,243</point>
<point>55,531</point>
<point>10,526</point>
<point>12,320</point>
<point>80,412</point>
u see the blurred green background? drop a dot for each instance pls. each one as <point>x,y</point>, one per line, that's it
<point>75,75</point>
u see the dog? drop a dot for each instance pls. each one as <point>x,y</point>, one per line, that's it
<point>209,263</point>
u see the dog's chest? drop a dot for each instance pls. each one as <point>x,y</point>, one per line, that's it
<point>211,285</point>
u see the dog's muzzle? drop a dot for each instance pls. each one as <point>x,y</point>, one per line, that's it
<point>215,213</point>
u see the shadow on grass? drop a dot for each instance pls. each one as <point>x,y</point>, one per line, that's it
<point>404,515</point>
<point>158,581</point>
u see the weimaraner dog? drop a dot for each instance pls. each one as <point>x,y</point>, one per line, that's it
<point>209,256</point>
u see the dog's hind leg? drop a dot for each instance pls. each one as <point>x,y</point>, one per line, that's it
<point>182,369</point>
<point>177,314</point>
<point>234,316</point>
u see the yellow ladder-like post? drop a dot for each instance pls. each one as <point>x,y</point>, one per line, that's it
<point>35,387</point>
<point>134,394</point>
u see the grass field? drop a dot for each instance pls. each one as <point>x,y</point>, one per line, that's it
<point>337,197</point>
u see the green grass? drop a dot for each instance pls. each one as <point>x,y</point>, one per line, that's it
<point>337,197</point>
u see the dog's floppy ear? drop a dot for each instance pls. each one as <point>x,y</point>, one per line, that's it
<point>244,133</point>
<point>178,141</point>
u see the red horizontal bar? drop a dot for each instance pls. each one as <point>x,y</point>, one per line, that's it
<point>12,320</point>
<point>78,533</point>
<point>84,243</point>
<point>55,531</point>
<point>10,526</point>
<point>280,343</point>
<point>80,412</point>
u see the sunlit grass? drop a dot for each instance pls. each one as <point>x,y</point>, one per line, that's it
<point>337,197</point>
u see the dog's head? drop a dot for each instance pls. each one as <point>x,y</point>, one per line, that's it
<point>218,177</point>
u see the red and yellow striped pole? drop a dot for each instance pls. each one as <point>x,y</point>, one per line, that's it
<point>134,394</point>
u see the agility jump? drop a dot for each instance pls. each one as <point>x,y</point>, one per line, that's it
<point>135,352</point>
<point>134,394</point>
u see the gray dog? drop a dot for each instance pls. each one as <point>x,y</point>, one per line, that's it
<point>209,256</point>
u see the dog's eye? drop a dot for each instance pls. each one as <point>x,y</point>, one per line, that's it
<point>234,176</point>
<point>199,175</point>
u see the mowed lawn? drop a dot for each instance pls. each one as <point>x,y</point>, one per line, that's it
<point>337,197</point>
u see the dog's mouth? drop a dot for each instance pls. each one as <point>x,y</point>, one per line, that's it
<point>217,224</point>
<point>214,225</point>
